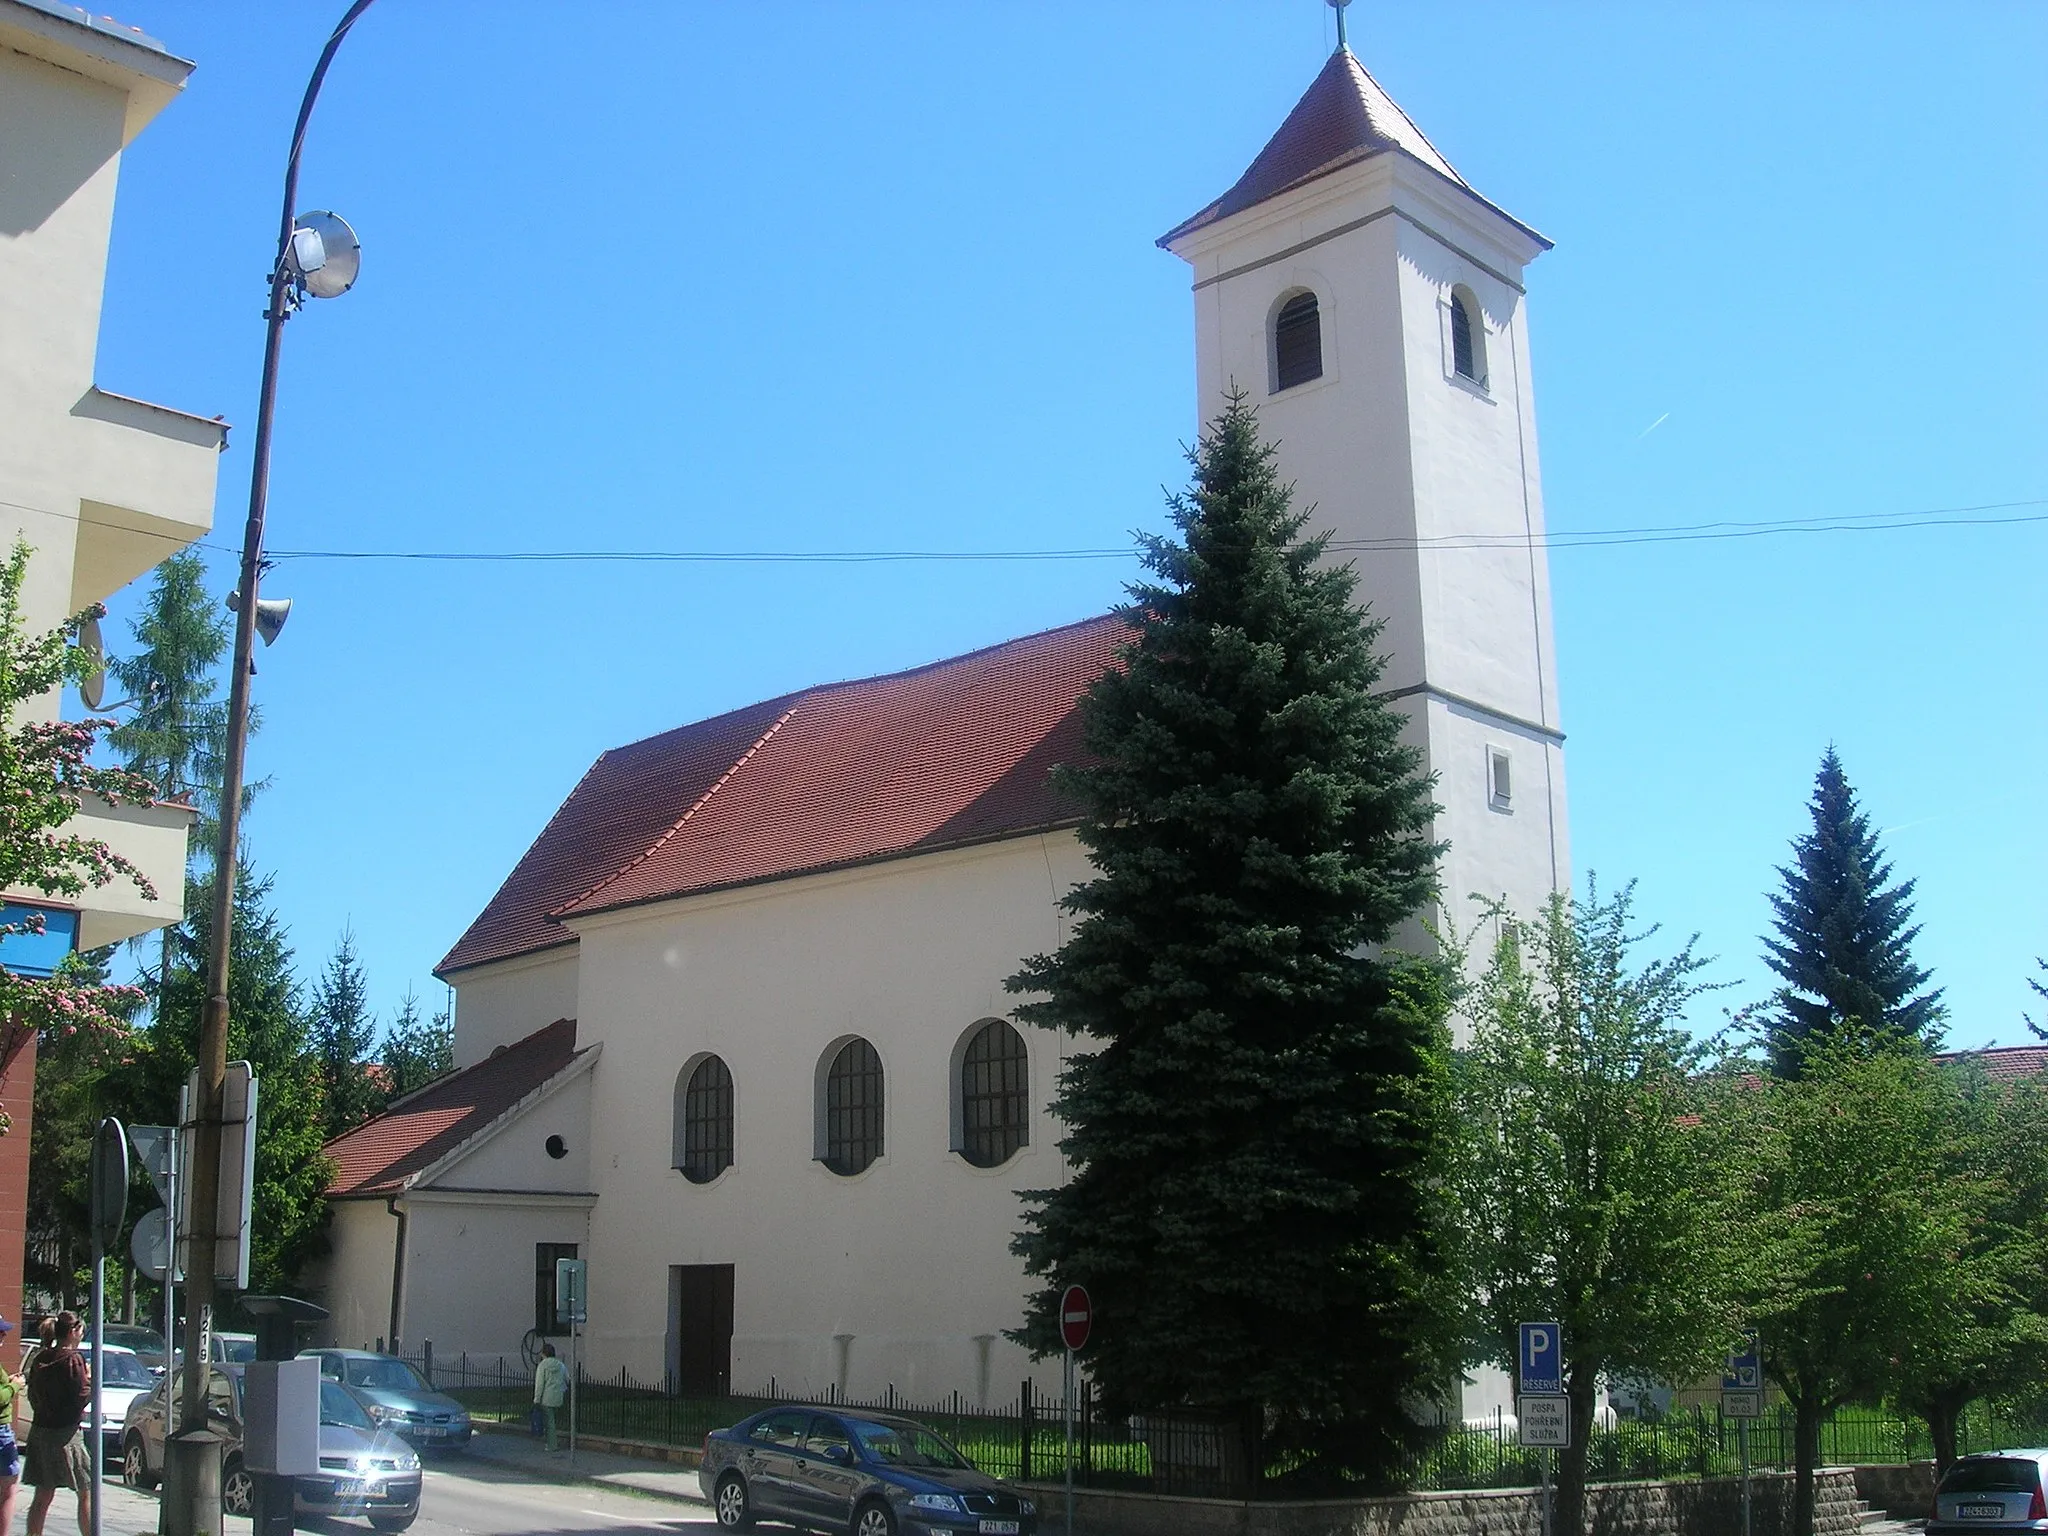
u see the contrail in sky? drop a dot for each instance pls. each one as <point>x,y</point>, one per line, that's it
<point>1653,426</point>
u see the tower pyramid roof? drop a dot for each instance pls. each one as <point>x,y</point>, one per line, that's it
<point>1343,117</point>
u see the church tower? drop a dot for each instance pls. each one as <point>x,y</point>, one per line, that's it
<point>1371,305</point>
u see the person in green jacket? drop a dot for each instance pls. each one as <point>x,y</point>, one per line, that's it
<point>550,1389</point>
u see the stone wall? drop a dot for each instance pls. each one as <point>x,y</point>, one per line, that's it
<point>1712,1507</point>
<point>1903,1492</point>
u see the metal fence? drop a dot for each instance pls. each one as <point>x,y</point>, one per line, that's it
<point>1024,1438</point>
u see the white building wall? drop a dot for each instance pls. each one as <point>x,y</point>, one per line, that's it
<point>899,1276</point>
<point>469,1269</point>
<point>354,1281</point>
<point>508,1000</point>
<point>101,487</point>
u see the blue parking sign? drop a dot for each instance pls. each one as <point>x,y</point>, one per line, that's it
<point>1542,1358</point>
<point>1745,1371</point>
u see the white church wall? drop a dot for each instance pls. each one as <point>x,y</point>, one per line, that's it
<point>517,1156</point>
<point>507,1000</point>
<point>901,1275</point>
<point>470,1267</point>
<point>354,1280</point>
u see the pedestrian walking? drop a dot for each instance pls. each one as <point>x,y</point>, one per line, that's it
<point>59,1392</point>
<point>10,1454</point>
<point>550,1389</point>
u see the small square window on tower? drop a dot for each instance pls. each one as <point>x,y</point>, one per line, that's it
<point>1500,783</point>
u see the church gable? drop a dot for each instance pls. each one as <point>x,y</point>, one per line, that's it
<point>382,1156</point>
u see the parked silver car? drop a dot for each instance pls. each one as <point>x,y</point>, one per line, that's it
<point>1992,1491</point>
<point>396,1397</point>
<point>363,1470</point>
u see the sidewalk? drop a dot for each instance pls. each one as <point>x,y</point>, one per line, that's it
<point>523,1453</point>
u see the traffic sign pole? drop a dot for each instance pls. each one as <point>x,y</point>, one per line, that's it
<point>109,1192</point>
<point>1077,1319</point>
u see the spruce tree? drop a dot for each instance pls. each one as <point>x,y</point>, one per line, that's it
<point>1256,1133</point>
<point>341,1034</point>
<point>267,1026</point>
<point>178,732</point>
<point>1845,936</point>
<point>417,1051</point>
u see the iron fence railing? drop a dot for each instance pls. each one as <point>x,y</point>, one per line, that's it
<point>1024,1437</point>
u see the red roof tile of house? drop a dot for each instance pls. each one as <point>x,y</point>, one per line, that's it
<point>2006,1063</point>
<point>948,754</point>
<point>1343,116</point>
<point>378,1156</point>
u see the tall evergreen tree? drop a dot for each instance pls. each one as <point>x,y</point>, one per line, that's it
<point>341,1034</point>
<point>1845,936</point>
<point>266,1026</point>
<point>417,1051</point>
<point>1256,1136</point>
<point>178,733</point>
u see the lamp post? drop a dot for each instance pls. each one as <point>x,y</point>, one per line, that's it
<point>316,257</point>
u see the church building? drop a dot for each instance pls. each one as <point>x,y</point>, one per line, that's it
<point>734,1028</point>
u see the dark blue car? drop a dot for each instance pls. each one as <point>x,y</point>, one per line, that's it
<point>864,1474</point>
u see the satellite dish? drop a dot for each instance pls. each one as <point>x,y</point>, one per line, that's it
<point>92,689</point>
<point>324,254</point>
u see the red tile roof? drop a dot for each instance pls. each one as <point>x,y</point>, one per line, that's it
<point>952,753</point>
<point>2006,1063</point>
<point>1343,116</point>
<point>378,1156</point>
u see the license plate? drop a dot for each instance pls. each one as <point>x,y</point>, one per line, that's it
<point>1980,1511</point>
<point>998,1528</point>
<point>347,1488</point>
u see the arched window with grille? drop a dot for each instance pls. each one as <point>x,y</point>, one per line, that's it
<point>1468,337</point>
<point>993,1084</point>
<point>703,1120</point>
<point>850,1109</point>
<point>1297,342</point>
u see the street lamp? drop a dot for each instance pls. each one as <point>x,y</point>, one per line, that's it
<point>317,257</point>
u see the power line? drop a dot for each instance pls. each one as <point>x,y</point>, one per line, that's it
<point>1866,522</point>
<point>1557,539</point>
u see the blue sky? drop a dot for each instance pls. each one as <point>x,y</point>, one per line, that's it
<point>683,276</point>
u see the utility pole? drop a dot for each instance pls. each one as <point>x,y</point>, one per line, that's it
<point>191,1504</point>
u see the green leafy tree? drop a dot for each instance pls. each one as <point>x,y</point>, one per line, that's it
<point>1844,935</point>
<point>1255,1135</point>
<point>267,1026</point>
<point>1993,1337</point>
<point>45,776</point>
<point>417,1050</point>
<point>342,1032</point>
<point>2035,986</point>
<point>1593,1176</point>
<point>1858,1201</point>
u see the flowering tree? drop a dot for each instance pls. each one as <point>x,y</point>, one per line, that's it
<point>45,775</point>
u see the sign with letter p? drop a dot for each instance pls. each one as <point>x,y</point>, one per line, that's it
<point>1541,1362</point>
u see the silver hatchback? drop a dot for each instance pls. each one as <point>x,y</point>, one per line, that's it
<point>1992,1491</point>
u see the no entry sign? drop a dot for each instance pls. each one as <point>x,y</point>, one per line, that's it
<point>1077,1316</point>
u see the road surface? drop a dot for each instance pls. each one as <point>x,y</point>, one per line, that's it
<point>465,1496</point>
